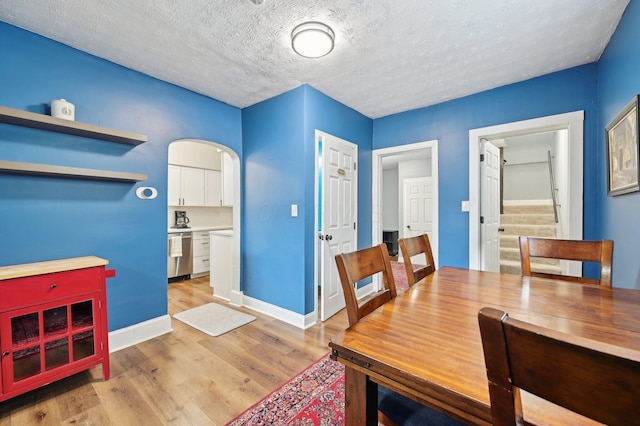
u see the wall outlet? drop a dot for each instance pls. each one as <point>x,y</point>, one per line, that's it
<point>294,210</point>
<point>465,206</point>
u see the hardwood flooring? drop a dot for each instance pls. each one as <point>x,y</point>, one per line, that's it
<point>182,378</point>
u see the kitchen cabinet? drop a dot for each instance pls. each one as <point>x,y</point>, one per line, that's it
<point>227,180</point>
<point>220,274</point>
<point>200,253</point>
<point>53,322</point>
<point>185,186</point>
<point>212,188</point>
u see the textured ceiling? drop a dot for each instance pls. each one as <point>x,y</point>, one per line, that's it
<point>390,56</point>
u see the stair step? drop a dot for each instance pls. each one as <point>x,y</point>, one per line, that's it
<point>509,241</point>
<point>530,209</point>
<point>532,219</point>
<point>513,267</point>
<point>510,267</point>
<point>510,253</point>
<point>530,230</point>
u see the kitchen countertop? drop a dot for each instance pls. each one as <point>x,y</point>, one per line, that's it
<point>199,228</point>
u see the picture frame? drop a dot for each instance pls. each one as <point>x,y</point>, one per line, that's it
<point>621,136</point>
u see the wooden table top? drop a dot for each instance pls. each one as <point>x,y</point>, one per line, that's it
<point>427,340</point>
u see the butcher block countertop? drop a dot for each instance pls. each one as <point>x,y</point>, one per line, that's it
<point>51,266</point>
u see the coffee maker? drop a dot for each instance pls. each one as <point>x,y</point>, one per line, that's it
<point>181,219</point>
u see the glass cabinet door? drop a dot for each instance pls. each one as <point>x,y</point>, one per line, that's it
<point>48,337</point>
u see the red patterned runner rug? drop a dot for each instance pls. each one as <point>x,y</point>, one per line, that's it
<point>313,397</point>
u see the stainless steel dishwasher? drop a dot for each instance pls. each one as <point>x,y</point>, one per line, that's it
<point>179,259</point>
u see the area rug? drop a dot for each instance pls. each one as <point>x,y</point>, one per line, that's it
<point>399,276</point>
<point>313,397</point>
<point>214,319</point>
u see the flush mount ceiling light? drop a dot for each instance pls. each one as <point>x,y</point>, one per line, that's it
<point>312,39</point>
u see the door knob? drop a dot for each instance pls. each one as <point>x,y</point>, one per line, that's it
<point>329,237</point>
<point>500,229</point>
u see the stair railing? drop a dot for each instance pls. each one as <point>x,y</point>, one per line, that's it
<point>554,189</point>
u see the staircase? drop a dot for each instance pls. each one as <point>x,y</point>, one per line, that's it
<point>532,221</point>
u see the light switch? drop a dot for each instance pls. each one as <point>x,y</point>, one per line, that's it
<point>465,206</point>
<point>294,210</point>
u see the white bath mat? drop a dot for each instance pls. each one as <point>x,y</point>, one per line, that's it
<point>214,319</point>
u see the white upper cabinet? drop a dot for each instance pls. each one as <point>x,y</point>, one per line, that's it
<point>199,174</point>
<point>174,194</point>
<point>186,186</point>
<point>212,184</point>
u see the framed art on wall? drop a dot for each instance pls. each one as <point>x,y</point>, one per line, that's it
<point>621,136</point>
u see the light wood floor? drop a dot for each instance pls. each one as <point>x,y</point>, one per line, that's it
<point>182,378</point>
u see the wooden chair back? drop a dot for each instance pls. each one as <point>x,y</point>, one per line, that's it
<point>586,251</point>
<point>411,247</point>
<point>361,264</point>
<point>594,379</point>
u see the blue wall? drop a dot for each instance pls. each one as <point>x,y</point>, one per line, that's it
<point>619,82</point>
<point>450,122</point>
<point>274,175</point>
<point>279,152</point>
<point>334,118</point>
<point>46,218</point>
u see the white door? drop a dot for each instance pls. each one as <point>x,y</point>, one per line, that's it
<point>417,208</point>
<point>338,198</point>
<point>490,207</point>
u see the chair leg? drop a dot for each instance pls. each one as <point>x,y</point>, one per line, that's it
<point>386,421</point>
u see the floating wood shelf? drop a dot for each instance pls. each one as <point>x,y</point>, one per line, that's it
<point>68,172</point>
<point>45,122</point>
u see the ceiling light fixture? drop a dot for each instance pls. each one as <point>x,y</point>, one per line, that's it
<point>312,39</point>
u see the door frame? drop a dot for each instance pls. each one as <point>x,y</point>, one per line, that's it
<point>318,245</point>
<point>376,188</point>
<point>574,123</point>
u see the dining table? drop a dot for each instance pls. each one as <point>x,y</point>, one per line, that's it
<point>425,344</point>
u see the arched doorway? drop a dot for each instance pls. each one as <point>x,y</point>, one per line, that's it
<point>209,155</point>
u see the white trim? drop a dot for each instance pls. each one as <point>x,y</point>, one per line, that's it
<point>376,184</point>
<point>138,333</point>
<point>285,315</point>
<point>574,122</point>
<point>236,298</point>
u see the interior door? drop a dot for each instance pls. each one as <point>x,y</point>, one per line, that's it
<point>417,201</point>
<point>337,218</point>
<point>490,207</point>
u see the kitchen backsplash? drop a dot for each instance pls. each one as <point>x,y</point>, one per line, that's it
<point>203,216</point>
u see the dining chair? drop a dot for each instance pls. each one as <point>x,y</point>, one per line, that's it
<point>585,251</point>
<point>393,408</point>
<point>413,246</point>
<point>358,265</point>
<point>594,379</point>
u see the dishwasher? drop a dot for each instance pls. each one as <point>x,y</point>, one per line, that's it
<point>179,259</point>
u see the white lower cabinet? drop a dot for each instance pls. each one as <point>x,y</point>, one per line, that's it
<point>200,253</point>
<point>221,263</point>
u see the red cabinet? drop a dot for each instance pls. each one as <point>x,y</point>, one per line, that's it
<point>53,322</point>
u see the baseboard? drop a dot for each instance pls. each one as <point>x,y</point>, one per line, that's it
<point>236,297</point>
<point>284,315</point>
<point>138,333</point>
